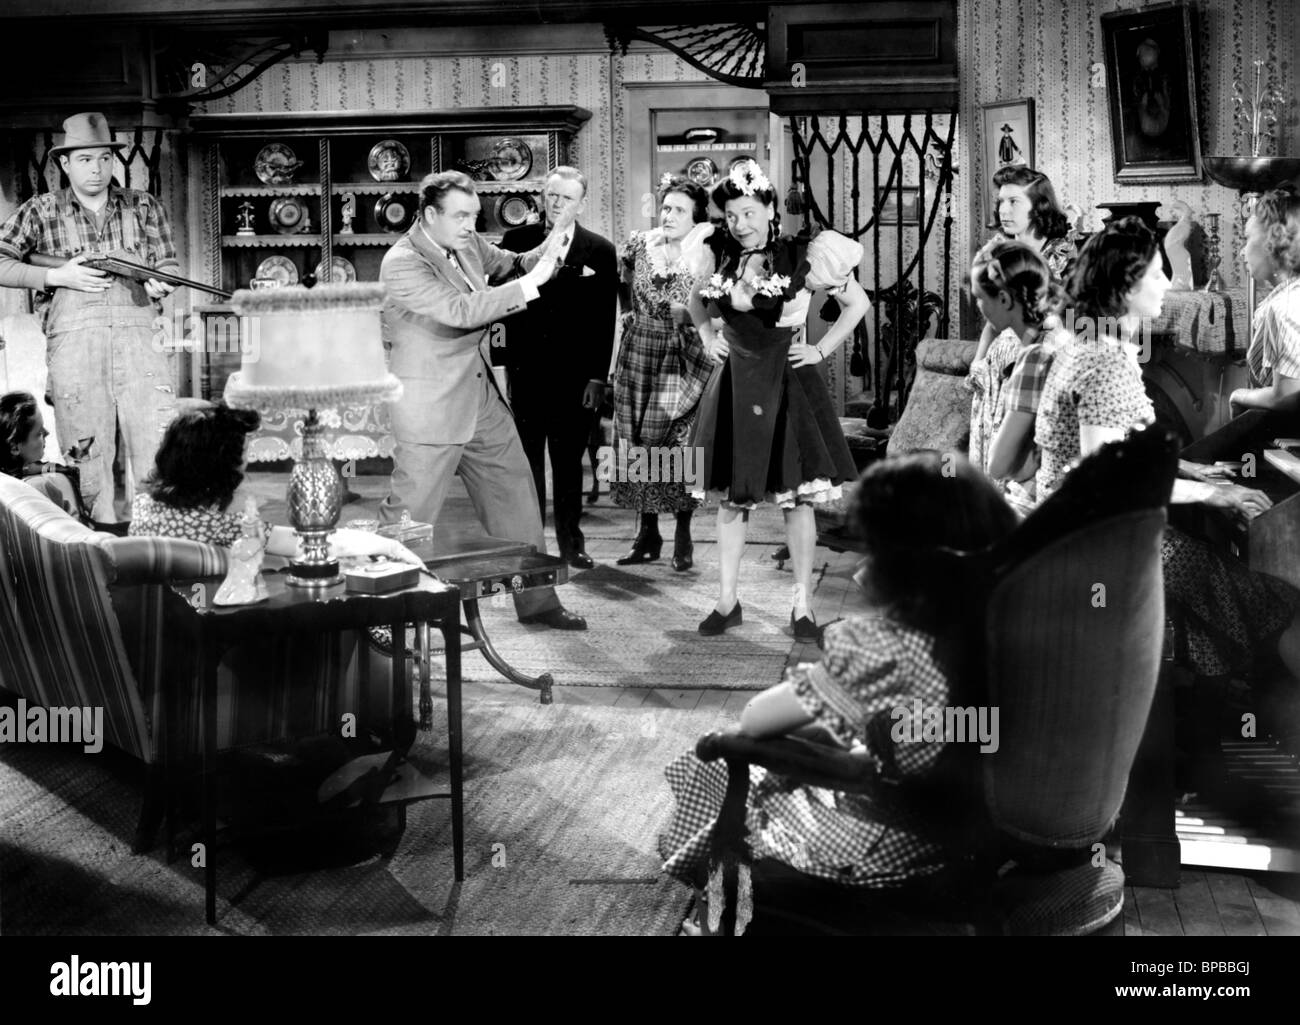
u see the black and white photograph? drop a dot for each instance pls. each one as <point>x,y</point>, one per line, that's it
<point>526,468</point>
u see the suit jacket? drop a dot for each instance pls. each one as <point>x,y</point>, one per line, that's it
<point>435,326</point>
<point>567,334</point>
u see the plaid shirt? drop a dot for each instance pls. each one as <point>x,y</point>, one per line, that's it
<point>1025,387</point>
<point>41,226</point>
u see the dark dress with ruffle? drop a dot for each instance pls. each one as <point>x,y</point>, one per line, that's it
<point>768,431</point>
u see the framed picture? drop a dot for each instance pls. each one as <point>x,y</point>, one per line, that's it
<point>887,200</point>
<point>1151,86</point>
<point>1008,140</point>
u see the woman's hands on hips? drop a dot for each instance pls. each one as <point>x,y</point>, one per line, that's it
<point>715,345</point>
<point>802,355</point>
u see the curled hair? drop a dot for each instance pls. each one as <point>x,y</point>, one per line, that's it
<point>18,411</point>
<point>1046,217</point>
<point>1109,265</point>
<point>198,461</point>
<point>1278,213</point>
<point>1015,268</point>
<point>692,191</point>
<point>907,510</point>
<point>434,188</point>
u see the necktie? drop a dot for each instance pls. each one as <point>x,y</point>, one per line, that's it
<point>451,257</point>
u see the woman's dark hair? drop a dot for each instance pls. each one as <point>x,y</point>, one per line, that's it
<point>18,411</point>
<point>1015,268</point>
<point>910,508</point>
<point>1045,214</point>
<point>692,191</point>
<point>434,188</point>
<point>1109,265</point>
<point>727,189</point>
<point>198,461</point>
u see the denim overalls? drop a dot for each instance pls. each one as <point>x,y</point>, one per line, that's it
<point>107,375</point>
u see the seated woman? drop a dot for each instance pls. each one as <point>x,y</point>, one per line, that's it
<point>1030,214</point>
<point>910,645</point>
<point>1094,394</point>
<point>22,446</point>
<point>191,494</point>
<point>1272,254</point>
<point>1016,293</point>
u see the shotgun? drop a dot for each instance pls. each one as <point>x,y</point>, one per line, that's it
<point>119,264</point>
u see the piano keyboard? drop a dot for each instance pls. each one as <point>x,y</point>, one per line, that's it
<point>1212,839</point>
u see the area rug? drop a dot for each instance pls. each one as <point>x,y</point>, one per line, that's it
<point>563,804</point>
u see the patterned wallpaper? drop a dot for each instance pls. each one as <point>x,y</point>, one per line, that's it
<point>1013,48</point>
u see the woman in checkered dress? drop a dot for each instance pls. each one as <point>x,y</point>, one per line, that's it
<point>909,646</point>
<point>662,367</point>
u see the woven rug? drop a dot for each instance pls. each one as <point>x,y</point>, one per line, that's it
<point>563,804</point>
<point>643,620</point>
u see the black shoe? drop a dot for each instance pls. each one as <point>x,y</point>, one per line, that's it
<point>806,629</point>
<point>579,560</point>
<point>717,623</point>
<point>593,496</point>
<point>644,549</point>
<point>683,557</point>
<point>556,619</point>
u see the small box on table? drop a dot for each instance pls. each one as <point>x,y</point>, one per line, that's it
<point>381,577</point>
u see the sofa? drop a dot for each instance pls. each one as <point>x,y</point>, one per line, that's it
<point>88,620</point>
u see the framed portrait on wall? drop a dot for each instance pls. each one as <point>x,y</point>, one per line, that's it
<point>1008,140</point>
<point>1151,93</point>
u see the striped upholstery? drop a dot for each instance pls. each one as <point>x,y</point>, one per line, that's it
<point>83,622</point>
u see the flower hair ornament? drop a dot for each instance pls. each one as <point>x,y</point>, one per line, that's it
<point>665,180</point>
<point>749,178</point>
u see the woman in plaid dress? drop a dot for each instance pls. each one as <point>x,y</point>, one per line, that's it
<point>910,645</point>
<point>662,367</point>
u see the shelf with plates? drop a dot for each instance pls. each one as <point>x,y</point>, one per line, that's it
<point>257,191</point>
<point>373,188</point>
<point>268,241</point>
<point>356,169</point>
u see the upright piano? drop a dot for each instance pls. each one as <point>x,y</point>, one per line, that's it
<point>1161,830</point>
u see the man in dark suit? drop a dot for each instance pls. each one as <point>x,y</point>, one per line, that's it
<point>558,352</point>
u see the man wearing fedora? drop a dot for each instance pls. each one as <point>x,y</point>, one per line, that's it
<point>107,378</point>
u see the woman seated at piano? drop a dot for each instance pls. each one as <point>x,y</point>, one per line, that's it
<point>1234,619</point>
<point>1272,255</point>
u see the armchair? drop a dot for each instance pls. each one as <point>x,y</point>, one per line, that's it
<point>1072,620</point>
<point>82,625</point>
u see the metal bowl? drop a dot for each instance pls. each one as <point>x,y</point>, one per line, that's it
<point>1252,174</point>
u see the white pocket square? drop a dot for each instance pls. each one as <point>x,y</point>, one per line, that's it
<point>587,272</point>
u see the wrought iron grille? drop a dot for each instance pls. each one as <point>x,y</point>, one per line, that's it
<point>906,154</point>
<point>734,54</point>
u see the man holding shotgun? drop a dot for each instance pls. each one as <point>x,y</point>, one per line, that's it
<point>107,378</point>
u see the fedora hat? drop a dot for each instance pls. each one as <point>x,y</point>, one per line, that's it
<point>86,131</point>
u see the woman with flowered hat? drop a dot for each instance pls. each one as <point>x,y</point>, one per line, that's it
<point>767,427</point>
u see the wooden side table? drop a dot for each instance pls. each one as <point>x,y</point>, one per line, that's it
<point>214,629</point>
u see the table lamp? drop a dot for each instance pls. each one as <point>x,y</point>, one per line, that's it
<point>312,349</point>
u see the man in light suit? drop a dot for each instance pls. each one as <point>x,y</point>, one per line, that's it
<point>558,353</point>
<point>452,417</point>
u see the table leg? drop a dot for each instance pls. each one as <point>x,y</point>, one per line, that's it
<point>474,621</point>
<point>400,681</point>
<point>426,690</point>
<point>208,694</point>
<point>451,649</point>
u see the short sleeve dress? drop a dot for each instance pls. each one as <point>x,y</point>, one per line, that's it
<point>768,431</point>
<point>662,368</point>
<point>873,665</point>
<point>1231,616</point>
<point>210,525</point>
<point>1275,343</point>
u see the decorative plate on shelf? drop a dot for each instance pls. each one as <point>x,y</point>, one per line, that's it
<point>276,164</point>
<point>702,171</point>
<point>513,211</point>
<point>279,268</point>
<point>389,161</point>
<point>395,212</point>
<point>341,271</point>
<point>512,159</point>
<point>289,214</point>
